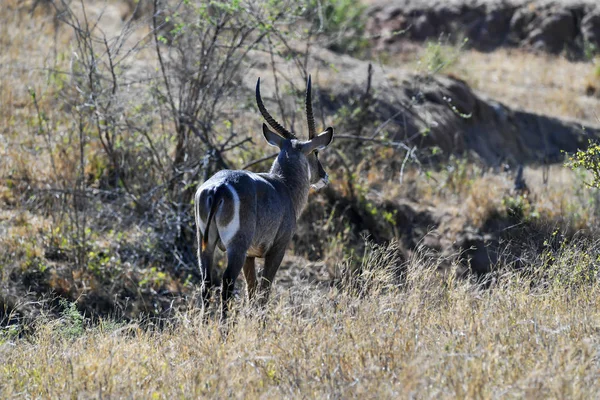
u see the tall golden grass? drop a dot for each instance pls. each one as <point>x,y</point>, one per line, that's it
<point>373,336</point>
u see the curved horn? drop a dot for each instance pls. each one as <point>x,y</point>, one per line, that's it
<point>270,120</point>
<point>309,111</point>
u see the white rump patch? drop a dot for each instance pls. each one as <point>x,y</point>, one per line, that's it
<point>228,231</point>
<point>199,220</point>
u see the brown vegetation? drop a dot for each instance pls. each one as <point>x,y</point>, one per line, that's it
<point>428,268</point>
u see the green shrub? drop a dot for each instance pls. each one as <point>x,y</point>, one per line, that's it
<point>341,21</point>
<point>72,320</point>
<point>439,55</point>
<point>588,159</point>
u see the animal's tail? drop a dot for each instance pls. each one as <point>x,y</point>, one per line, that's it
<point>214,200</point>
<point>204,259</point>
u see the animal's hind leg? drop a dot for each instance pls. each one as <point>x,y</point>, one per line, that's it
<point>206,257</point>
<point>250,275</point>
<point>206,260</point>
<point>236,257</point>
<point>272,262</point>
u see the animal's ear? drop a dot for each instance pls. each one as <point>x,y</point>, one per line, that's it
<point>272,138</point>
<point>320,141</point>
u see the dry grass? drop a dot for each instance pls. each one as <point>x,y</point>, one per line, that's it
<point>469,194</point>
<point>372,334</point>
<point>431,337</point>
<point>539,83</point>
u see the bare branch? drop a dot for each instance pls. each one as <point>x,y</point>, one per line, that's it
<point>386,143</point>
<point>266,158</point>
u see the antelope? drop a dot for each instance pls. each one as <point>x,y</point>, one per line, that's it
<point>251,215</point>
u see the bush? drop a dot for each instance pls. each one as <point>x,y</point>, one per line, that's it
<point>589,160</point>
<point>342,22</point>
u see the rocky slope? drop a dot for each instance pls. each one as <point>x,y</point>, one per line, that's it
<point>441,111</point>
<point>553,26</point>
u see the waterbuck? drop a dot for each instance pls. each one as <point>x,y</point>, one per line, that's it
<point>251,215</point>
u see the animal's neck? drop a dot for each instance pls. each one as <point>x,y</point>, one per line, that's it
<point>295,177</point>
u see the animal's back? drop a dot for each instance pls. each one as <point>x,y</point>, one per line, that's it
<point>236,195</point>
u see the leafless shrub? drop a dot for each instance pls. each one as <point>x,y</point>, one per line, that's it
<point>141,136</point>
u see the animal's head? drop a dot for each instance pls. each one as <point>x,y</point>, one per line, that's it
<point>305,151</point>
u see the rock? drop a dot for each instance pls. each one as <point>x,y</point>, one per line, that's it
<point>556,32</point>
<point>590,29</point>
<point>480,252</point>
<point>422,28</point>
<point>519,23</point>
<point>495,28</point>
<point>552,26</point>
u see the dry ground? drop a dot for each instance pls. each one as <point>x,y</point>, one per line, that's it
<point>538,83</point>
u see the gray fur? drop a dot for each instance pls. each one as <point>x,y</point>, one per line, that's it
<point>269,206</point>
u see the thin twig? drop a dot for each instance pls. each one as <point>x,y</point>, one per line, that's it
<point>387,143</point>
<point>238,144</point>
<point>162,64</point>
<point>409,154</point>
<point>266,158</point>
